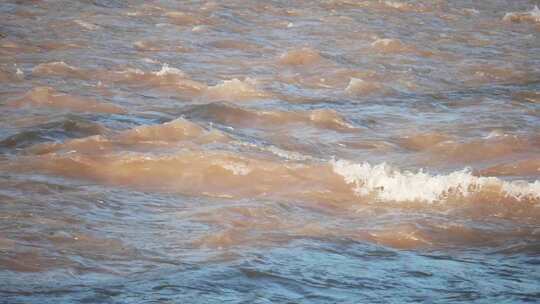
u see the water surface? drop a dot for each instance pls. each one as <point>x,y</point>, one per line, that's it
<point>269,151</point>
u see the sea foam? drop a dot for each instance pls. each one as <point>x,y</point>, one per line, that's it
<point>389,184</point>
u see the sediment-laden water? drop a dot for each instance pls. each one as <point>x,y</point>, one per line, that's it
<point>331,151</point>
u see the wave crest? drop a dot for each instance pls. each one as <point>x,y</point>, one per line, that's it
<point>389,184</point>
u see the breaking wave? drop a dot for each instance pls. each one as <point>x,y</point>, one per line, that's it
<point>389,184</point>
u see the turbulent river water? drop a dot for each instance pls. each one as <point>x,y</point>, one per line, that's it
<point>332,151</point>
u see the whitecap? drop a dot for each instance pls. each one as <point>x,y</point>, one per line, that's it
<point>389,184</point>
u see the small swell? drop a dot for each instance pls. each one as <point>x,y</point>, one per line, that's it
<point>158,46</point>
<point>147,136</point>
<point>388,45</point>
<point>49,97</point>
<point>300,57</point>
<point>358,86</point>
<point>237,116</point>
<point>235,89</point>
<point>57,68</point>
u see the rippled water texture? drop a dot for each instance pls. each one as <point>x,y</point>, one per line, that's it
<point>333,151</point>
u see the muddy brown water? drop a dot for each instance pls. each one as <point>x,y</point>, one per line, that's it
<point>269,151</point>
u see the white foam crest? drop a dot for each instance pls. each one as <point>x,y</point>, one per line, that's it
<point>19,73</point>
<point>167,70</point>
<point>495,134</point>
<point>533,15</point>
<point>237,168</point>
<point>522,190</point>
<point>290,155</point>
<point>235,89</point>
<point>389,184</point>
<point>384,42</point>
<point>60,64</point>
<point>87,25</point>
<point>354,82</point>
<point>131,71</point>
<point>199,28</point>
<point>395,4</point>
<point>245,86</point>
<point>471,11</point>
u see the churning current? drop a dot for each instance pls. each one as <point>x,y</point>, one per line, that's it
<point>330,151</point>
